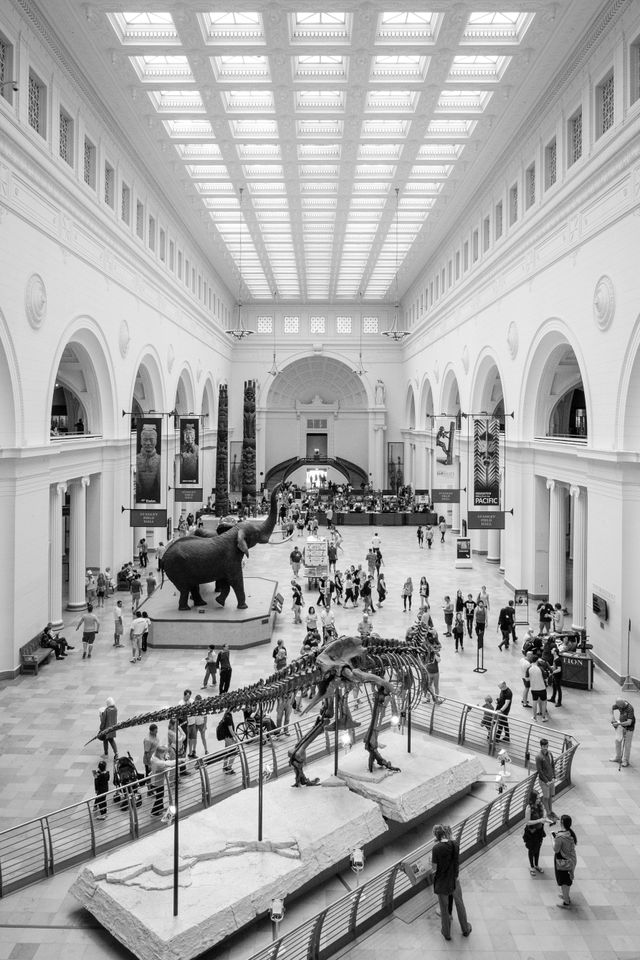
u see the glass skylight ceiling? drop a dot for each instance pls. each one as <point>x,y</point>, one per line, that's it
<point>320,116</point>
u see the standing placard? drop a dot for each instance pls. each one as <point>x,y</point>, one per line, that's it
<point>521,598</point>
<point>463,553</point>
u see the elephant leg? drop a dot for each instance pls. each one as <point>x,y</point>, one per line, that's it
<point>223,588</point>
<point>238,589</point>
<point>184,600</point>
<point>195,596</point>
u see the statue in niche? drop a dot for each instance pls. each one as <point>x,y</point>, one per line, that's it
<point>380,393</point>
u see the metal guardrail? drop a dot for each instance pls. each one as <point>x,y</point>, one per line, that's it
<point>344,920</point>
<point>45,845</point>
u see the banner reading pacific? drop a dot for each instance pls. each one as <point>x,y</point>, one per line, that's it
<point>189,450</point>
<point>486,462</point>
<point>148,459</point>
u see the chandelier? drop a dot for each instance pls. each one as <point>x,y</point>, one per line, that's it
<point>394,332</point>
<point>239,331</point>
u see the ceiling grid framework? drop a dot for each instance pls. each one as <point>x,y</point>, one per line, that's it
<point>319,116</point>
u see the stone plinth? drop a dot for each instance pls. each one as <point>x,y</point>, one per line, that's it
<point>227,879</point>
<point>201,626</point>
<point>429,776</point>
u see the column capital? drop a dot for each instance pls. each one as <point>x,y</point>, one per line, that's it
<point>85,481</point>
<point>551,484</point>
<point>61,489</point>
<point>574,491</point>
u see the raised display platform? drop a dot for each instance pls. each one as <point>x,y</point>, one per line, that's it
<point>227,878</point>
<point>213,623</point>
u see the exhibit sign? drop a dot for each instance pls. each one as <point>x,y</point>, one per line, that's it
<point>463,548</point>
<point>485,520</point>
<point>147,518</point>
<point>521,598</point>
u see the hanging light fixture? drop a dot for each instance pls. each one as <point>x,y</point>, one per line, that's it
<point>273,369</point>
<point>240,330</point>
<point>394,332</point>
<point>360,370</point>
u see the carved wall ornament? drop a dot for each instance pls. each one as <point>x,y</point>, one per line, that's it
<point>513,339</point>
<point>35,301</point>
<point>604,302</point>
<point>124,338</point>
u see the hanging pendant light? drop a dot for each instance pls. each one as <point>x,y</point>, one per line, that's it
<point>360,370</point>
<point>240,331</point>
<point>394,332</point>
<point>273,369</point>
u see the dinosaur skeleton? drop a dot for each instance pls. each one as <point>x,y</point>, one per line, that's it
<point>395,668</point>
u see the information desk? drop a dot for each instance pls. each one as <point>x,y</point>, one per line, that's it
<point>577,670</point>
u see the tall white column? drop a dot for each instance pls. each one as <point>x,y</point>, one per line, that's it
<point>579,545</point>
<point>77,543</point>
<point>557,563</point>
<point>493,546</point>
<point>56,527</point>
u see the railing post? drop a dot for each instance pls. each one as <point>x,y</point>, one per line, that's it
<point>244,765</point>
<point>47,845</point>
<point>204,783</point>
<point>313,947</point>
<point>466,710</point>
<point>92,827</point>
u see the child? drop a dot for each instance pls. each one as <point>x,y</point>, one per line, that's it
<point>101,786</point>
<point>458,631</point>
<point>487,714</point>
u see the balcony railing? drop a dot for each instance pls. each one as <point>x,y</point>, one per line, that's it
<point>42,847</point>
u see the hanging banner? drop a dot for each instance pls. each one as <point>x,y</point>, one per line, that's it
<point>189,450</point>
<point>486,462</point>
<point>148,460</point>
<point>444,442</point>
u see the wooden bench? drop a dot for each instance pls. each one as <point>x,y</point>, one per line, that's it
<point>32,654</point>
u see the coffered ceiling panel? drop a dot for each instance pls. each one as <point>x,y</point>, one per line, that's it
<point>330,147</point>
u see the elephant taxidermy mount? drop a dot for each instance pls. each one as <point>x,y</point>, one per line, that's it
<point>203,558</point>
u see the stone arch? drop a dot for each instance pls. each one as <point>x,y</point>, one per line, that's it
<point>426,407</point>
<point>83,365</point>
<point>410,414</point>
<point>328,376</point>
<point>449,394</point>
<point>185,394</point>
<point>148,388</point>
<point>487,390</point>
<point>11,428</point>
<point>207,404</point>
<point>627,426</point>
<point>554,366</point>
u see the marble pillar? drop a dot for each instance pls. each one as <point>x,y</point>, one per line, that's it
<point>77,543</point>
<point>579,547</point>
<point>56,549</point>
<point>557,561</point>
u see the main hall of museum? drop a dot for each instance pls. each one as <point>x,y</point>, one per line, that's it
<point>395,247</point>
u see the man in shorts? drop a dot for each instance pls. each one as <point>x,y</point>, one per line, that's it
<point>90,626</point>
<point>525,663</point>
<point>546,768</point>
<point>538,686</point>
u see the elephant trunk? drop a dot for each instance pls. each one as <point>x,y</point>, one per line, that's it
<point>266,529</point>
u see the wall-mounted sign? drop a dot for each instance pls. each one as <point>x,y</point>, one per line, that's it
<point>485,520</point>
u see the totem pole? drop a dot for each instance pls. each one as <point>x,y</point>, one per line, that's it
<point>222,454</point>
<point>249,443</point>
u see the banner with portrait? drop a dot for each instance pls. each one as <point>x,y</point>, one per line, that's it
<point>486,462</point>
<point>148,477</point>
<point>189,471</point>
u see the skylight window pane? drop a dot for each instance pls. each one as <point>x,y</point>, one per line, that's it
<point>320,128</point>
<point>319,27</point>
<point>397,68</point>
<point>238,27</point>
<point>461,101</point>
<point>489,69</point>
<point>320,67</point>
<point>248,101</point>
<point>254,128</point>
<point>385,128</point>
<point>391,101</point>
<point>177,101</point>
<point>263,170</point>
<point>408,26</point>
<point>241,69</point>
<point>147,28</point>
<point>493,27</point>
<point>188,129</point>
<point>323,100</point>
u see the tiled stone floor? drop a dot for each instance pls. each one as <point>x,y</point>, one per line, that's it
<point>44,764</point>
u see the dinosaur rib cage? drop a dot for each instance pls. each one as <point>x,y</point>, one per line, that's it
<point>399,662</point>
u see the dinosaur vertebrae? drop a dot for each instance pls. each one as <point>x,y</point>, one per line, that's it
<point>397,661</point>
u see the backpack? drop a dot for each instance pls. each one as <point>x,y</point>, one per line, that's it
<point>221,730</point>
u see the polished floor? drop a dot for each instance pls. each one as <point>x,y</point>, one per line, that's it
<point>44,764</point>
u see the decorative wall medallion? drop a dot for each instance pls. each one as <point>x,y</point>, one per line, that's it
<point>35,301</point>
<point>124,338</point>
<point>604,302</point>
<point>171,357</point>
<point>465,358</point>
<point>513,339</point>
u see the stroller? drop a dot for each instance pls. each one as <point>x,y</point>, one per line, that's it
<point>125,779</point>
